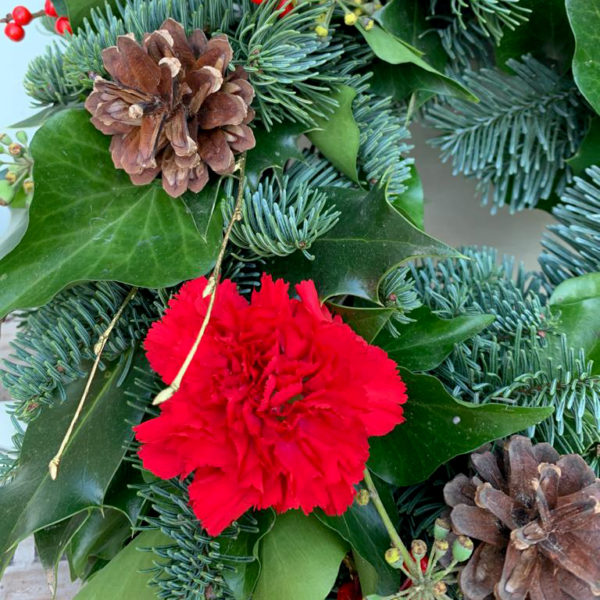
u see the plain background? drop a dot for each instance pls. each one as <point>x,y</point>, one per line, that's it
<point>451,212</point>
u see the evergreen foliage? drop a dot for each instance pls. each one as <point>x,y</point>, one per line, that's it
<point>397,290</point>
<point>193,566</point>
<point>516,140</point>
<point>280,217</point>
<point>574,249</point>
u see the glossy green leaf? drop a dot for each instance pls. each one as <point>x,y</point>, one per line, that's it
<point>588,153</point>
<point>242,578</point>
<point>17,226</point>
<point>546,35</point>
<point>394,51</point>
<point>273,149</point>
<point>32,501</point>
<point>367,322</point>
<point>78,10</point>
<point>425,343</point>
<point>89,222</point>
<point>337,135</point>
<point>439,427</point>
<point>362,528</point>
<point>584,17</point>
<point>411,202</point>
<point>577,302</point>
<point>202,206</point>
<point>126,577</point>
<point>370,238</point>
<point>300,559</point>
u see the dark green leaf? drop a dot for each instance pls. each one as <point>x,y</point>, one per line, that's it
<point>410,203</point>
<point>438,427</point>
<point>546,35</point>
<point>577,302</point>
<point>425,343</point>
<point>362,528</point>
<point>337,135</point>
<point>242,579</point>
<point>32,501</point>
<point>273,149</point>
<point>588,153</point>
<point>367,322</point>
<point>584,17</point>
<point>78,10</point>
<point>202,206</point>
<point>88,222</point>
<point>122,578</point>
<point>370,238</point>
<point>300,559</point>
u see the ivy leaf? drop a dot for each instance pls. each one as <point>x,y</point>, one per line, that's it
<point>577,302</point>
<point>127,575</point>
<point>425,343</point>
<point>584,17</point>
<point>337,135</point>
<point>242,578</point>
<point>201,207</point>
<point>89,222</point>
<point>439,427</point>
<point>588,153</point>
<point>32,501</point>
<point>545,35</point>
<point>362,528</point>
<point>273,149</point>
<point>370,238</point>
<point>17,226</point>
<point>300,559</point>
<point>394,51</point>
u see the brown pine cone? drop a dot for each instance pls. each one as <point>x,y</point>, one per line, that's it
<point>537,516</point>
<point>173,107</point>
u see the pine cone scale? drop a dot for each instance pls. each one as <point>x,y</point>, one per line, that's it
<point>172,107</point>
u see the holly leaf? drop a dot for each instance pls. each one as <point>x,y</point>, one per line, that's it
<point>588,153</point>
<point>32,501</point>
<point>439,427</point>
<point>577,303</point>
<point>127,575</point>
<point>363,529</point>
<point>300,559</point>
<point>370,238</point>
<point>78,10</point>
<point>410,203</point>
<point>242,578</point>
<point>545,35</point>
<point>365,321</point>
<point>89,222</point>
<point>584,17</point>
<point>424,344</point>
<point>273,149</point>
<point>337,135</point>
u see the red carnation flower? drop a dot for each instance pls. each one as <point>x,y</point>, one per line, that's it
<point>276,407</point>
<point>289,5</point>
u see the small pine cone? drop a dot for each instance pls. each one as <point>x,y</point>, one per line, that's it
<point>537,516</point>
<point>173,107</point>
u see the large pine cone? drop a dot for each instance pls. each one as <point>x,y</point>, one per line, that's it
<point>538,518</point>
<point>172,107</point>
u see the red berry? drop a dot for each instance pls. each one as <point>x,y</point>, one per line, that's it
<point>15,32</point>
<point>62,25</point>
<point>49,9</point>
<point>21,15</point>
<point>350,591</point>
<point>424,564</point>
<point>288,7</point>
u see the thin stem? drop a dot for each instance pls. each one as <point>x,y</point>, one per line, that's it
<point>35,15</point>
<point>211,289</point>
<point>98,349</point>
<point>387,522</point>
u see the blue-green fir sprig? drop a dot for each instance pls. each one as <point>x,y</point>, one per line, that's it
<point>517,138</point>
<point>280,216</point>
<point>573,249</point>
<point>397,290</point>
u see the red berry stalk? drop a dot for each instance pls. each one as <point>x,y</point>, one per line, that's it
<point>22,16</point>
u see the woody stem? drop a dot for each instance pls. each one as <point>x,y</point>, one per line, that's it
<point>211,289</point>
<point>35,15</point>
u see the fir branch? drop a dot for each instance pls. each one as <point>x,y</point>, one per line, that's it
<point>574,249</point>
<point>280,217</point>
<point>397,290</point>
<point>517,138</point>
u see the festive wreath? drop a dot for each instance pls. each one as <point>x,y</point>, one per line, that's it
<point>243,369</point>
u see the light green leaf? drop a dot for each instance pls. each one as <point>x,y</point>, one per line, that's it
<point>17,226</point>
<point>300,559</point>
<point>370,238</point>
<point>425,343</point>
<point>584,17</point>
<point>337,135</point>
<point>125,577</point>
<point>89,222</point>
<point>439,427</point>
<point>32,501</point>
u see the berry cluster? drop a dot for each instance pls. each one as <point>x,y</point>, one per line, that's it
<point>21,16</point>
